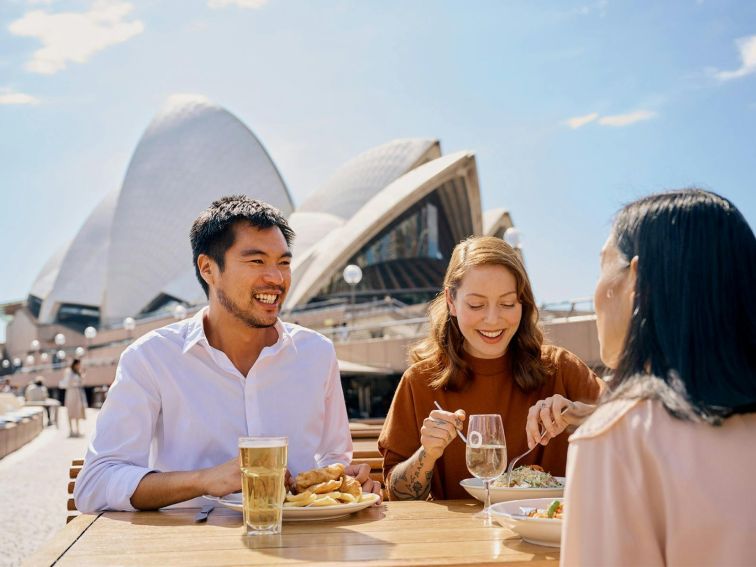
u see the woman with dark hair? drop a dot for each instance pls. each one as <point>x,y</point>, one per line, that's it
<point>484,355</point>
<point>75,400</point>
<point>662,472</point>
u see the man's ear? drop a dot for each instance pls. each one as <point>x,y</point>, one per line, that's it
<point>207,269</point>
<point>450,302</point>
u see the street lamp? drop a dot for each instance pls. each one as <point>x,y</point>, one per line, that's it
<point>60,339</point>
<point>90,333</point>
<point>513,237</point>
<point>352,275</point>
<point>29,360</point>
<point>80,352</point>
<point>129,324</point>
<point>34,345</point>
<point>179,312</point>
<point>6,363</point>
<point>61,354</point>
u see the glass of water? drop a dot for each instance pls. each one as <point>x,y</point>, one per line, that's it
<point>486,453</point>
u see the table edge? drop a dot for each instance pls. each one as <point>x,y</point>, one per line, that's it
<point>52,550</point>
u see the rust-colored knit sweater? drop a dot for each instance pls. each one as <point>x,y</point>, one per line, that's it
<point>492,390</point>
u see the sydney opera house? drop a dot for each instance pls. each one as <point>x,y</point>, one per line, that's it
<point>396,210</point>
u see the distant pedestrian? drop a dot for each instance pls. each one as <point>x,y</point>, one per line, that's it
<point>76,402</point>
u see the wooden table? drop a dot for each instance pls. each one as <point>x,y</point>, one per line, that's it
<point>395,533</point>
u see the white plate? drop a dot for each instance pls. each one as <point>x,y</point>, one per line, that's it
<point>293,514</point>
<point>474,487</point>
<point>541,531</point>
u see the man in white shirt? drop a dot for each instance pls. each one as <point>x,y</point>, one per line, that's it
<point>185,393</point>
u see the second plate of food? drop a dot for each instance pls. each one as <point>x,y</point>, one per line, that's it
<point>475,488</point>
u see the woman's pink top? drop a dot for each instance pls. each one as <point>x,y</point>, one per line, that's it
<point>644,488</point>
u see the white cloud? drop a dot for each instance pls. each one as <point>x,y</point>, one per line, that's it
<point>747,48</point>
<point>616,120</point>
<point>8,96</point>
<point>255,4</point>
<point>594,7</point>
<point>578,121</point>
<point>75,36</point>
<point>627,119</point>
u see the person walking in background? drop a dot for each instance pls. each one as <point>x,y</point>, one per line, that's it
<point>75,400</point>
<point>484,355</point>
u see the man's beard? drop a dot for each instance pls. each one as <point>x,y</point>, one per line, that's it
<point>246,318</point>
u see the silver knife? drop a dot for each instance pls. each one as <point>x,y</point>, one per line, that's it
<point>204,513</point>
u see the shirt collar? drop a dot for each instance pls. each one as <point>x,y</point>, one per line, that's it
<point>196,332</point>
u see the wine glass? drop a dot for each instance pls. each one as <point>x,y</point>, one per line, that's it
<point>486,453</point>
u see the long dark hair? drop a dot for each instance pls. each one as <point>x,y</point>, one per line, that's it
<point>443,348</point>
<point>692,336</point>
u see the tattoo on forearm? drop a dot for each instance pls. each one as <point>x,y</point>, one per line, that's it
<point>408,481</point>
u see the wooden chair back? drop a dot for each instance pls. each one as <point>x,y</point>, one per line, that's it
<point>73,472</point>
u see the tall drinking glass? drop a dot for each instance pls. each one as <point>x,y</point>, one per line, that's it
<point>263,472</point>
<point>486,453</point>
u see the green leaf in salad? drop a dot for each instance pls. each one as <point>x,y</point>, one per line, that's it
<point>552,509</point>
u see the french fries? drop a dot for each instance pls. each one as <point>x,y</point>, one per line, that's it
<point>328,486</point>
<point>312,500</point>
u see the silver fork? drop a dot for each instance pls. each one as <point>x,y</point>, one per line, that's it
<point>510,468</point>
<point>461,435</point>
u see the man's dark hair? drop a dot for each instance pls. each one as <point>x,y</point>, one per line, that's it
<point>213,231</point>
<point>694,318</point>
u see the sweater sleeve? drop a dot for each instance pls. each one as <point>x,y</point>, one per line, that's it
<point>580,382</point>
<point>400,437</point>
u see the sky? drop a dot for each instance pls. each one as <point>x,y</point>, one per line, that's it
<point>571,107</point>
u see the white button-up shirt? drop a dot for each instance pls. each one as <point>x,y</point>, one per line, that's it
<point>178,404</point>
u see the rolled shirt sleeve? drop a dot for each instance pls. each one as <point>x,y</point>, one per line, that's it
<point>118,455</point>
<point>336,441</point>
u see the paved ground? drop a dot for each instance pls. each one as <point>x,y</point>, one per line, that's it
<point>34,486</point>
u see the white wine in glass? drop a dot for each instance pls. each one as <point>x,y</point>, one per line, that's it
<point>486,453</point>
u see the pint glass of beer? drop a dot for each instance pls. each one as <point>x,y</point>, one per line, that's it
<point>263,469</point>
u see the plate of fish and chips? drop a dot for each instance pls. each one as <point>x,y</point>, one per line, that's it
<point>316,494</point>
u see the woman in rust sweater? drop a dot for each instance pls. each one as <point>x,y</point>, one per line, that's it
<point>484,354</point>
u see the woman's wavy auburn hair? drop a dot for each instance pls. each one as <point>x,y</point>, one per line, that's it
<point>443,348</point>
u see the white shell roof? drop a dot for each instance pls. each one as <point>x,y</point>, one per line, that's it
<point>186,288</point>
<point>353,184</point>
<point>361,178</point>
<point>45,280</point>
<point>192,153</point>
<point>135,244</point>
<point>81,276</point>
<point>494,220</point>
<point>339,245</point>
